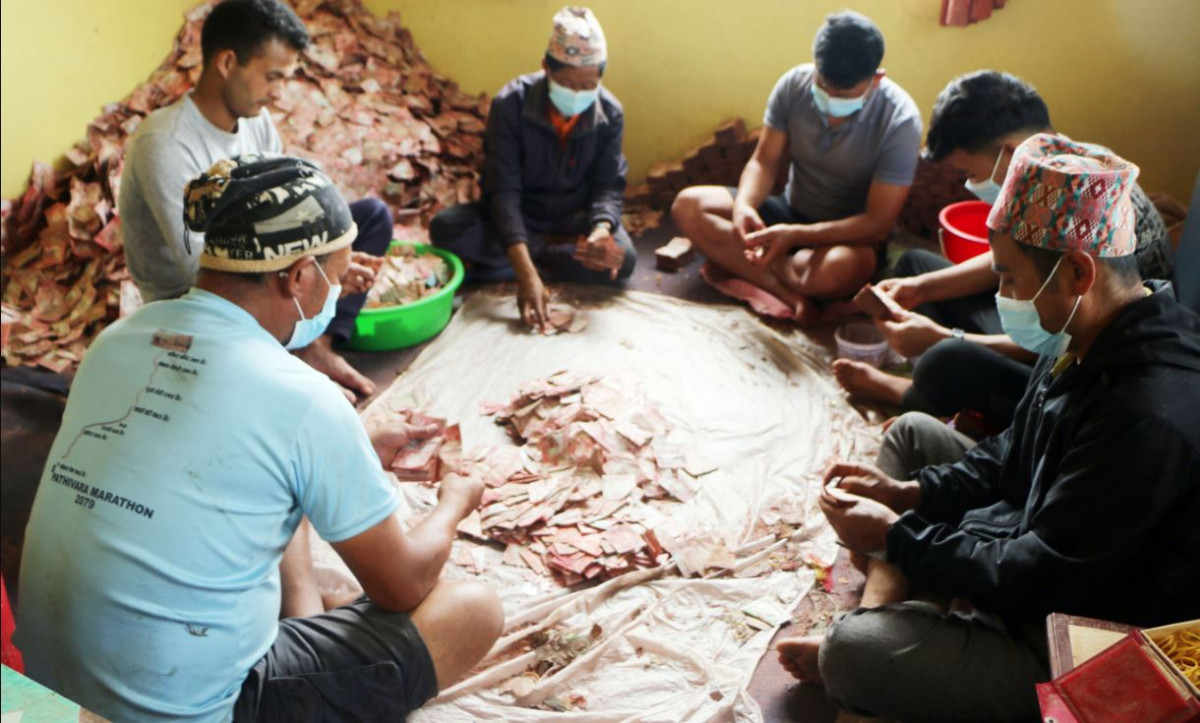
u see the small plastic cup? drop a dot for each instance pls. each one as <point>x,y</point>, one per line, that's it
<point>861,341</point>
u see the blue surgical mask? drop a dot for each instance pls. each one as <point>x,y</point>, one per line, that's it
<point>306,331</point>
<point>1021,322</point>
<point>988,190</point>
<point>571,102</point>
<point>837,107</point>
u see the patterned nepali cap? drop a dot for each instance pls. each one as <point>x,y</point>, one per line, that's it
<point>577,39</point>
<point>261,212</point>
<point>1062,195</point>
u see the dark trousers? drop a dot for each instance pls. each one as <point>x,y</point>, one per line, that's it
<point>953,375</point>
<point>374,222</point>
<point>915,661</point>
<point>466,231</point>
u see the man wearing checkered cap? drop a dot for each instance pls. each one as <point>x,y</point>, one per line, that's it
<point>166,568</point>
<point>553,177</point>
<point>1088,505</point>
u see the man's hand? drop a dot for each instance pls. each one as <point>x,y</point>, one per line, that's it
<point>599,251</point>
<point>467,492</point>
<point>746,221</point>
<point>867,481</point>
<point>388,439</point>
<point>360,274</point>
<point>532,297</point>
<point>910,333</point>
<point>908,292</point>
<point>861,524</point>
<point>765,247</point>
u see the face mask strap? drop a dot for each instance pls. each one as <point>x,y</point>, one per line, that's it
<point>1051,276</point>
<point>1078,299</point>
<point>297,301</point>
<point>996,165</point>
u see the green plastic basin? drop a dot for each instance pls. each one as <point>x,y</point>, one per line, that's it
<point>397,327</point>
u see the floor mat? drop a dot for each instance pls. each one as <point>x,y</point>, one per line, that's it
<point>660,647</point>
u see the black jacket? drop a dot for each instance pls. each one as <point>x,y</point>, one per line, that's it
<point>529,175</point>
<point>1090,503</point>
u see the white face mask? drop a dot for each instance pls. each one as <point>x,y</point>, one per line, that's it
<point>306,331</point>
<point>1020,320</point>
<point>987,190</point>
<point>837,107</point>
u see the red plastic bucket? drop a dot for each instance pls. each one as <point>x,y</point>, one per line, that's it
<point>963,232</point>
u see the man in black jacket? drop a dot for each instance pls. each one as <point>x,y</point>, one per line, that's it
<point>1089,504</point>
<point>554,176</point>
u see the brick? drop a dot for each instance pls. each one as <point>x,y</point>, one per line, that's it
<point>730,131</point>
<point>674,255</point>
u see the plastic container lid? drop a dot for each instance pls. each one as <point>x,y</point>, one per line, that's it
<point>861,341</point>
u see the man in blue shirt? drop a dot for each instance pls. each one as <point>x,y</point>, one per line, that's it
<point>851,137</point>
<point>192,450</point>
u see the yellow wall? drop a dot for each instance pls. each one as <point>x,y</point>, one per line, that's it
<point>1121,72</point>
<point>62,60</point>
<point>1125,73</point>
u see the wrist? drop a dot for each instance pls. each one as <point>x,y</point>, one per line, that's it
<point>923,291</point>
<point>603,223</point>
<point>908,496</point>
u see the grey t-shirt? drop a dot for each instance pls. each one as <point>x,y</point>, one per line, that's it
<point>171,147</point>
<point>832,168</point>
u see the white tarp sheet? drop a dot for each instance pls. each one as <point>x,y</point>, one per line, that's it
<point>763,406</point>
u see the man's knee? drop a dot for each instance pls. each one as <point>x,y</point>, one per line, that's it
<point>374,221</point>
<point>833,272</point>
<point>480,604</point>
<point>849,656</point>
<point>686,207</point>
<point>900,452</point>
<point>693,202</point>
<point>949,362</point>
<point>451,225</point>
<point>629,261</point>
<point>472,609</point>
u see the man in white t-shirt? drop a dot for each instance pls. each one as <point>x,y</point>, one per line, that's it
<point>192,450</point>
<point>250,48</point>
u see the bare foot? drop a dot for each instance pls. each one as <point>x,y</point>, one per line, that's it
<point>865,381</point>
<point>807,312</point>
<point>320,356</point>
<point>798,656</point>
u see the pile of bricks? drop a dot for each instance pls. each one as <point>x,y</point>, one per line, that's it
<point>935,186</point>
<point>716,162</point>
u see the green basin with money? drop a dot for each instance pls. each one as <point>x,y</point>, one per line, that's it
<point>397,327</point>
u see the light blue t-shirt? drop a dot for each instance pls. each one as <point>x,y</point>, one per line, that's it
<point>191,446</point>
<point>832,168</point>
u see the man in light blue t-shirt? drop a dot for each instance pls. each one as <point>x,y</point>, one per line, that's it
<point>192,449</point>
<point>852,138</point>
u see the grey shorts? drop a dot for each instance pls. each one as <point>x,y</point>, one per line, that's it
<point>356,662</point>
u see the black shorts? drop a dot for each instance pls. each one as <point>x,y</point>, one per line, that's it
<point>357,662</point>
<point>775,209</point>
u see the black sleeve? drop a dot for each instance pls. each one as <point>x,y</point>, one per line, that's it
<point>502,171</point>
<point>607,175</point>
<point>1120,480</point>
<point>948,491</point>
